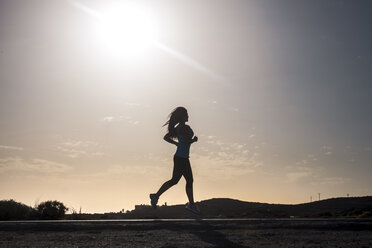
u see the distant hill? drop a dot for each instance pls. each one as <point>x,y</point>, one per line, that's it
<point>352,207</point>
<point>230,208</point>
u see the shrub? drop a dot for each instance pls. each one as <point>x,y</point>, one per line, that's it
<point>76,215</point>
<point>51,210</point>
<point>12,210</point>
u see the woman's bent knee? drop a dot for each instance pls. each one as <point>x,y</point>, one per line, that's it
<point>173,181</point>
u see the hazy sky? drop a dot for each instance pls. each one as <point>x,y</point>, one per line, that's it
<point>278,92</point>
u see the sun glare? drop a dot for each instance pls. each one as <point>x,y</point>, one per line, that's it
<point>127,30</point>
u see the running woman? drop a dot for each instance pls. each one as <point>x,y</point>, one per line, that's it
<point>182,136</point>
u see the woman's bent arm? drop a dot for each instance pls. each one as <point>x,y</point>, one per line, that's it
<point>167,138</point>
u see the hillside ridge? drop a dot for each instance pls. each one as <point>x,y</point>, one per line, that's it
<point>233,208</point>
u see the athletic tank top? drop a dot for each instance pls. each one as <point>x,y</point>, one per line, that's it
<point>183,149</point>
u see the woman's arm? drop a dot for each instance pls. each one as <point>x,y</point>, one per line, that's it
<point>167,138</point>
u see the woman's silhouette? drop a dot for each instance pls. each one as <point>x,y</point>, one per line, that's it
<point>184,136</point>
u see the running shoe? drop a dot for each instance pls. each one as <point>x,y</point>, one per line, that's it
<point>192,208</point>
<point>154,200</point>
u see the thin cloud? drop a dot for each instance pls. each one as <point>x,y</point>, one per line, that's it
<point>222,167</point>
<point>296,176</point>
<point>133,122</point>
<point>14,148</point>
<point>128,119</point>
<point>78,148</point>
<point>226,160</point>
<point>34,165</point>
<point>212,101</point>
<point>333,180</point>
<point>108,118</point>
<point>327,150</point>
<point>214,146</point>
<point>71,153</point>
<point>312,157</point>
<point>147,165</point>
<point>302,162</point>
<point>136,105</point>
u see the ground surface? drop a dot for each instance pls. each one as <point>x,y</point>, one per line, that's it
<point>190,233</point>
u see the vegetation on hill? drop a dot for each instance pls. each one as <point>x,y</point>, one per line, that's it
<point>12,210</point>
<point>51,210</point>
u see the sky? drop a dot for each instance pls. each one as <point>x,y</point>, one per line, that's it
<point>278,93</point>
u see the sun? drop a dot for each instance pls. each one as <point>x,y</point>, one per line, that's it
<point>127,30</point>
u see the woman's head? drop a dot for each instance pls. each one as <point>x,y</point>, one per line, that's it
<point>178,115</point>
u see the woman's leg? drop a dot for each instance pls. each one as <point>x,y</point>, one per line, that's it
<point>177,174</point>
<point>189,181</point>
<point>166,186</point>
<point>190,193</point>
